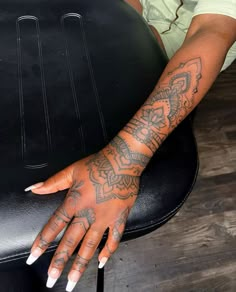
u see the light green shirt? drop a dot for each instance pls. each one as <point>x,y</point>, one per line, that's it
<point>160,13</point>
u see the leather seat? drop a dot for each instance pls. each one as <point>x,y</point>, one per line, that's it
<point>72,74</point>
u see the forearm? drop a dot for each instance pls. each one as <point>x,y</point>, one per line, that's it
<point>184,82</point>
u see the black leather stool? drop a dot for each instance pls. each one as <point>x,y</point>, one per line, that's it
<point>72,73</point>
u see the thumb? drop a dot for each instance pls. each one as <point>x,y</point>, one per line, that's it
<point>58,182</point>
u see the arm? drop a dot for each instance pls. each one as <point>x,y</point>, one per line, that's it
<point>104,186</point>
<point>184,82</point>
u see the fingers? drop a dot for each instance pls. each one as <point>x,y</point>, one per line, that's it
<point>86,252</point>
<point>55,225</point>
<point>58,182</point>
<point>114,238</point>
<point>76,231</point>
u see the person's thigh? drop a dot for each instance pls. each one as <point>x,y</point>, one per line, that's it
<point>136,5</point>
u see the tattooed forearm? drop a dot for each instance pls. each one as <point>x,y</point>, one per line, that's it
<point>168,106</point>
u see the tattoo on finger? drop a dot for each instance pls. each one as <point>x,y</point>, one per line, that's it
<point>119,226</point>
<point>43,243</point>
<point>80,264</point>
<point>60,259</point>
<point>85,218</point>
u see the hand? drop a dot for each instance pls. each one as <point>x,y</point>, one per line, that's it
<point>103,189</point>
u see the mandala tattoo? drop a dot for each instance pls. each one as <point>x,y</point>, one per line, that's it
<point>119,227</point>
<point>164,110</point>
<point>107,183</point>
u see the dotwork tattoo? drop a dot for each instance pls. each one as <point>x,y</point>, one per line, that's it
<point>85,218</point>
<point>107,183</point>
<point>170,104</point>
<point>119,227</point>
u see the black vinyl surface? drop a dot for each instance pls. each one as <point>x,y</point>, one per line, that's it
<point>72,73</point>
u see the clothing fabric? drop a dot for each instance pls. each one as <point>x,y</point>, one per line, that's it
<point>160,13</point>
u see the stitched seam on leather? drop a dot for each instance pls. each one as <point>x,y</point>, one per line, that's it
<point>21,255</point>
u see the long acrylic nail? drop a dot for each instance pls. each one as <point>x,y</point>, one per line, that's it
<point>33,187</point>
<point>35,254</point>
<point>73,279</point>
<point>102,262</point>
<point>53,275</point>
<point>70,286</point>
<point>51,282</point>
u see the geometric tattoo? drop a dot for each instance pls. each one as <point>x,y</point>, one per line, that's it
<point>167,107</point>
<point>109,185</point>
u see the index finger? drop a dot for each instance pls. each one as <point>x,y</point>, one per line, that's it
<point>60,218</point>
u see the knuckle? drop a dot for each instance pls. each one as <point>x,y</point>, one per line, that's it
<point>70,242</point>
<point>91,243</point>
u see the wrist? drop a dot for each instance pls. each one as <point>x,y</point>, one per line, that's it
<point>124,158</point>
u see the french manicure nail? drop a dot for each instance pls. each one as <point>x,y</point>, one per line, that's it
<point>51,282</point>
<point>35,254</point>
<point>70,286</point>
<point>35,186</point>
<point>102,262</point>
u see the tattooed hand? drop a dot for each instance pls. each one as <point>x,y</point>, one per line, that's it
<point>103,188</point>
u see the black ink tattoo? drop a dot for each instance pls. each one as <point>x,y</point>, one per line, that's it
<point>62,215</point>
<point>126,159</point>
<point>108,249</point>
<point>60,259</point>
<point>145,134</point>
<point>73,192</point>
<point>43,243</point>
<point>80,264</point>
<point>119,226</point>
<point>164,110</point>
<point>107,183</point>
<point>85,218</point>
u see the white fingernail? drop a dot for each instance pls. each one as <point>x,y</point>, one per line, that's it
<point>38,185</point>
<point>102,263</point>
<point>31,259</point>
<point>51,282</point>
<point>34,255</point>
<point>70,286</point>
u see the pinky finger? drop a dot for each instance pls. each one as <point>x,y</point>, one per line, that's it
<point>114,238</point>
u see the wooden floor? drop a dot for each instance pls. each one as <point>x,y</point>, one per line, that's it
<point>196,250</point>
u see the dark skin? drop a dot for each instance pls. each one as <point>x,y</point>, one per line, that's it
<point>103,187</point>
